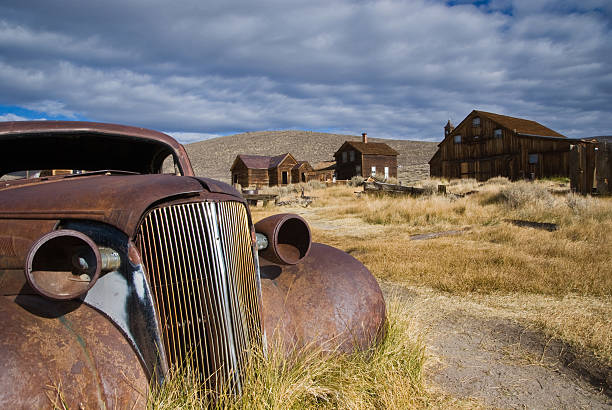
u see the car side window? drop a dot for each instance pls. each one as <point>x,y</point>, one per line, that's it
<point>170,166</point>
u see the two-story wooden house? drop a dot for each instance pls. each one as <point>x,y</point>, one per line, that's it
<point>486,145</point>
<point>365,159</point>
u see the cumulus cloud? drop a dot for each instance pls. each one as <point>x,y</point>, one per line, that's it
<point>392,68</point>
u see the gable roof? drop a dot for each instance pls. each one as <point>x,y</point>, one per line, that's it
<point>255,161</point>
<point>300,164</point>
<point>324,165</point>
<point>519,125</point>
<point>370,148</point>
<point>276,161</point>
<point>262,161</point>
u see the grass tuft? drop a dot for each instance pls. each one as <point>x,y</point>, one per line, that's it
<point>388,375</point>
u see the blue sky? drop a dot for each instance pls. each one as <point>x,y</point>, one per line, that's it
<point>396,69</point>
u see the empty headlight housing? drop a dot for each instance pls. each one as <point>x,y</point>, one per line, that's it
<point>65,264</point>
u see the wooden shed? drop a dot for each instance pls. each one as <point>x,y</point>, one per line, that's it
<point>280,169</point>
<point>300,171</point>
<point>322,171</point>
<point>591,166</point>
<point>485,145</point>
<point>260,170</point>
<point>363,158</point>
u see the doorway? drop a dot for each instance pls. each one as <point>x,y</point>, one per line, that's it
<point>285,177</point>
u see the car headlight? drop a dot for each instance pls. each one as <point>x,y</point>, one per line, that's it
<point>65,264</point>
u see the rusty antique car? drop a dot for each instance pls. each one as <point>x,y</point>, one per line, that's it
<point>113,272</point>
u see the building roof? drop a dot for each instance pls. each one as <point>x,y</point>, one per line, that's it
<point>324,165</point>
<point>301,164</point>
<point>262,161</point>
<point>255,161</point>
<point>520,125</point>
<point>371,148</point>
<point>275,161</point>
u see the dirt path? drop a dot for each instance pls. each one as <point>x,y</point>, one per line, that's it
<point>499,362</point>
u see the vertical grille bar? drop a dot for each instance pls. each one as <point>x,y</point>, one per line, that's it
<point>201,266</point>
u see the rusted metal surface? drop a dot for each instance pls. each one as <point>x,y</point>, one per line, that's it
<point>288,236</point>
<point>200,263</point>
<point>21,131</point>
<point>328,299</point>
<point>50,346</point>
<point>16,238</point>
<point>125,298</point>
<point>49,264</point>
<point>119,200</point>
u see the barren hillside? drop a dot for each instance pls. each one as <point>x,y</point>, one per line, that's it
<point>213,158</point>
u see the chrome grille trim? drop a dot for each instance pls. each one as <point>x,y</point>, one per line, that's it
<point>204,277</point>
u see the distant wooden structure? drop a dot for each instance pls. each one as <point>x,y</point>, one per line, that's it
<point>260,170</point>
<point>300,171</point>
<point>375,187</point>
<point>366,159</point>
<point>322,171</point>
<point>485,145</point>
<point>591,166</point>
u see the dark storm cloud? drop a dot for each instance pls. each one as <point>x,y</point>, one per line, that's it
<point>393,68</point>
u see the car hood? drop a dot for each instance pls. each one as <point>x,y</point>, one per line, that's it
<point>116,199</point>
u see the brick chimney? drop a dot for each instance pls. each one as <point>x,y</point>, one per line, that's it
<point>364,138</point>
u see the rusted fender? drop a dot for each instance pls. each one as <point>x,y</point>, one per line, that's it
<point>67,347</point>
<point>329,299</point>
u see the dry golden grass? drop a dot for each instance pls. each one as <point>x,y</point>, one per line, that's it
<point>560,281</point>
<point>386,376</point>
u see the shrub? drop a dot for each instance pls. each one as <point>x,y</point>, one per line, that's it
<point>576,203</point>
<point>521,193</point>
<point>317,184</point>
<point>430,187</point>
<point>356,181</point>
<point>391,180</point>
<point>498,181</point>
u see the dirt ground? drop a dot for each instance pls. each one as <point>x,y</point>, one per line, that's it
<point>498,362</point>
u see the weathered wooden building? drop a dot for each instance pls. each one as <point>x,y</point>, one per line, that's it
<point>591,166</point>
<point>486,145</point>
<point>365,159</point>
<point>322,171</point>
<point>259,170</point>
<point>300,171</point>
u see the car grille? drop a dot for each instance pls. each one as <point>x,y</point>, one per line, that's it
<point>204,278</point>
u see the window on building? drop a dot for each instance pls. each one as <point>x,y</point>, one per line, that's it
<point>457,139</point>
<point>373,171</point>
<point>533,158</point>
<point>357,169</point>
<point>344,156</point>
<point>497,133</point>
<point>476,122</point>
<point>386,172</point>
<point>351,156</point>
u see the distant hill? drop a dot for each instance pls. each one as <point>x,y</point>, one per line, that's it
<point>214,157</point>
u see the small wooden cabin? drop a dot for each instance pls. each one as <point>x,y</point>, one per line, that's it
<point>363,158</point>
<point>300,171</point>
<point>485,145</point>
<point>260,170</point>
<point>280,169</point>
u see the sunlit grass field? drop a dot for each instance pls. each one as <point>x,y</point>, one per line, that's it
<point>557,281</point>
